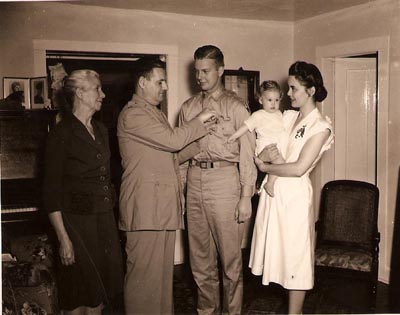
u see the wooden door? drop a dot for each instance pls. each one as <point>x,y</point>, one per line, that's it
<point>355,119</point>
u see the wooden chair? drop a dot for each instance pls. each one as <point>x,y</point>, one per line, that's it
<point>347,234</point>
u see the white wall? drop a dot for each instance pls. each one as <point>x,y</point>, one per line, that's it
<point>377,22</point>
<point>253,45</point>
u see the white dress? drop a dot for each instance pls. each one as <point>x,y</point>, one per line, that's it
<point>282,248</point>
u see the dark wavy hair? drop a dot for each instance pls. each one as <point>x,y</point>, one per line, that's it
<point>309,76</point>
<point>210,52</point>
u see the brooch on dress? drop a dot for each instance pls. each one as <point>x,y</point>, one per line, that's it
<point>300,132</point>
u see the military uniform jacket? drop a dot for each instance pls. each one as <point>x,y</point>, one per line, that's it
<point>151,192</point>
<point>77,169</point>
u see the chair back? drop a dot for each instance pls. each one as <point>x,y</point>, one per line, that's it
<point>348,214</point>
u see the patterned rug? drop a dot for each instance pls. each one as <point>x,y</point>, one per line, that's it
<point>327,297</point>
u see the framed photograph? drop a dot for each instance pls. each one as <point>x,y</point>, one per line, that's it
<point>39,92</point>
<point>17,89</point>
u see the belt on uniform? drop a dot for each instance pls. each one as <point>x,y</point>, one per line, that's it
<point>209,164</point>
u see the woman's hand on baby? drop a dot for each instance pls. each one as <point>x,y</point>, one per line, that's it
<point>261,165</point>
<point>269,153</point>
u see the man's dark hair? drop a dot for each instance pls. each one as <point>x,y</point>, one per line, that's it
<point>144,67</point>
<point>210,52</point>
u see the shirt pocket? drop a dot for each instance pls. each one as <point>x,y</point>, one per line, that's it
<point>226,127</point>
<point>218,144</point>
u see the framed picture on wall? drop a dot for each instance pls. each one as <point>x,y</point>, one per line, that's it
<point>17,89</point>
<point>244,83</point>
<point>39,92</point>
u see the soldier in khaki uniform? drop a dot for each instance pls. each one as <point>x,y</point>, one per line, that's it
<point>220,183</point>
<point>151,195</point>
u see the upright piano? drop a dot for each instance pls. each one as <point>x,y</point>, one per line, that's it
<point>23,140</point>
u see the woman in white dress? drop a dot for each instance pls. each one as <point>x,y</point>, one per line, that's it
<point>282,249</point>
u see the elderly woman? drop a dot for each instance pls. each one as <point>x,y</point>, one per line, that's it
<point>79,198</point>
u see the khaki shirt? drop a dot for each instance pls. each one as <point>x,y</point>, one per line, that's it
<point>232,112</point>
<point>151,195</point>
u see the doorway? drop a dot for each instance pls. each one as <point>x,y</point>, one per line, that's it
<point>355,117</point>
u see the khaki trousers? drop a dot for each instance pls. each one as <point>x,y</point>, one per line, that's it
<point>149,275</point>
<point>212,196</point>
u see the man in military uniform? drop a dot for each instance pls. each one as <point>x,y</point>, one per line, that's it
<point>220,183</point>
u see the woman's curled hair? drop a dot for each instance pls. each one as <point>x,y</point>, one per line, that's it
<point>77,79</point>
<point>309,76</point>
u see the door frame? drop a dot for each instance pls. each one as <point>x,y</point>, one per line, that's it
<point>324,58</point>
<point>171,52</point>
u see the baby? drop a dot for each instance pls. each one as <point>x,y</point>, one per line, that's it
<point>268,125</point>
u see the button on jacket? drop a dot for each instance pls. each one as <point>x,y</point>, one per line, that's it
<point>77,169</point>
<point>150,197</point>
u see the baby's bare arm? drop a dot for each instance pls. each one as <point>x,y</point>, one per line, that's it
<point>238,133</point>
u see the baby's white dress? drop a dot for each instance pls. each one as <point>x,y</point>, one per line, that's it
<point>268,128</point>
